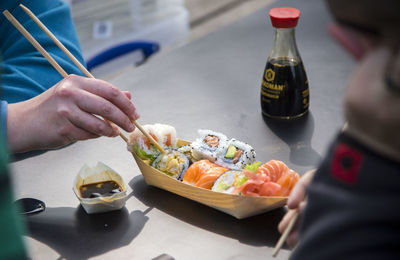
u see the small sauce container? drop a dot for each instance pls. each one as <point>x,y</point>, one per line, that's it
<point>92,177</point>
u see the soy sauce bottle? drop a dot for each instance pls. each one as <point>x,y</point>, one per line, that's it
<point>284,88</point>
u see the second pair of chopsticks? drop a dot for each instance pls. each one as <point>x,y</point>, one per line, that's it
<point>54,63</point>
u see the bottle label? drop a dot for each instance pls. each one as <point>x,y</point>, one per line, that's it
<point>284,89</point>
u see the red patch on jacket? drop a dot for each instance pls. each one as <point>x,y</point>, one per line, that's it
<point>346,163</point>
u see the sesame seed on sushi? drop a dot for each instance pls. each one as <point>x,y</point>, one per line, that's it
<point>236,155</point>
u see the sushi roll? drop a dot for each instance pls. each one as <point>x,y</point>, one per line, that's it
<point>187,150</point>
<point>203,174</point>
<point>229,181</point>
<point>165,135</point>
<point>208,145</point>
<point>172,163</point>
<point>236,155</point>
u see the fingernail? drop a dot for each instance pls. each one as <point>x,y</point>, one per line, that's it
<point>116,131</point>
<point>135,116</point>
<point>131,127</point>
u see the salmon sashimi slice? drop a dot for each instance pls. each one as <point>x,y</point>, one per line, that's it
<point>273,178</point>
<point>269,189</point>
<point>287,182</point>
<point>194,172</point>
<point>274,169</point>
<point>203,173</point>
<point>208,178</point>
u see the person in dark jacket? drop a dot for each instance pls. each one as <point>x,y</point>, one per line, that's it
<point>353,199</point>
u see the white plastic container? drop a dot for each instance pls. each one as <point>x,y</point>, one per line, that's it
<point>163,21</point>
<point>99,173</point>
<point>145,12</point>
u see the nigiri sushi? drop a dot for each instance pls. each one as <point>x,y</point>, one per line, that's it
<point>203,174</point>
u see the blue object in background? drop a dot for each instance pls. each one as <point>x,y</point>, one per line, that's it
<point>148,49</point>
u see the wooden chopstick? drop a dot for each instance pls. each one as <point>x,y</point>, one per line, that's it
<point>39,47</point>
<point>285,234</point>
<point>56,41</point>
<point>80,66</point>
<point>32,40</point>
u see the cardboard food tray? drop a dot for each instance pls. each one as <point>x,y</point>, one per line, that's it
<point>236,205</point>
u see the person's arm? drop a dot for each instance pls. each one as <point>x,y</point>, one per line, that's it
<point>25,73</point>
<point>67,112</point>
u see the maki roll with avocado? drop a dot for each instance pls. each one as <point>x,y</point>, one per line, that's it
<point>209,145</point>
<point>236,155</point>
<point>172,163</point>
<point>229,181</point>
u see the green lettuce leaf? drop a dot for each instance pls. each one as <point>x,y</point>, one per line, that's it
<point>142,154</point>
<point>253,167</point>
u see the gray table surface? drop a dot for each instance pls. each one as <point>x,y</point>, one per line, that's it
<point>212,83</point>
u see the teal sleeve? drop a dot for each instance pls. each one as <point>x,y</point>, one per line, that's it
<point>25,72</point>
<point>11,226</point>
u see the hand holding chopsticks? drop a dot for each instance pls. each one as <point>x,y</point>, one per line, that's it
<point>296,204</point>
<point>58,67</point>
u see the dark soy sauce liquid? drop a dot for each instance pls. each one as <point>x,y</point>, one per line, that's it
<point>93,190</point>
<point>284,89</point>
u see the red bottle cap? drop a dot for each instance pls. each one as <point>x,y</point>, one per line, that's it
<point>284,17</point>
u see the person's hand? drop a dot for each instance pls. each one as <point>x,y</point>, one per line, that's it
<point>371,108</point>
<point>69,112</point>
<point>296,203</point>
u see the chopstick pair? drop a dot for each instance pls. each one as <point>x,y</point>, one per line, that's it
<point>54,63</point>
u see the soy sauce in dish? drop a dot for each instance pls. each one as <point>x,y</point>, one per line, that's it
<point>99,189</point>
